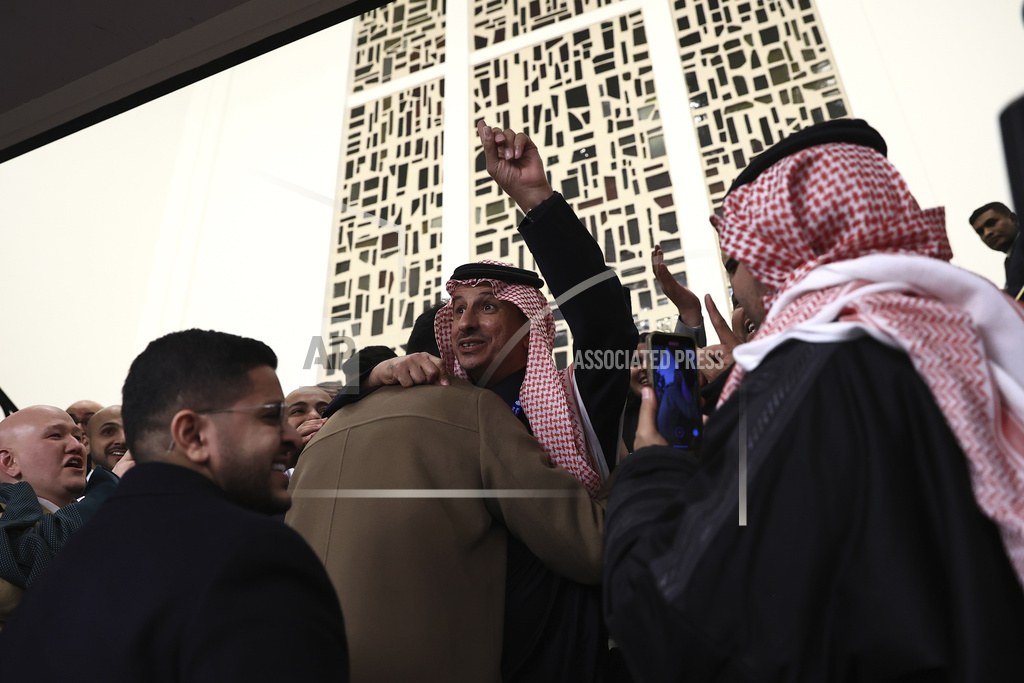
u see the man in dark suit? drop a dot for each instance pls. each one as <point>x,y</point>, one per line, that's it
<point>206,585</point>
<point>42,475</point>
<point>999,229</point>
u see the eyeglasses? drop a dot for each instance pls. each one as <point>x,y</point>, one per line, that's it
<point>278,406</point>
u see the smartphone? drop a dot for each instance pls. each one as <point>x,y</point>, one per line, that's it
<point>672,373</point>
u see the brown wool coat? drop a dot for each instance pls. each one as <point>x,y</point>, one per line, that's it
<point>421,578</point>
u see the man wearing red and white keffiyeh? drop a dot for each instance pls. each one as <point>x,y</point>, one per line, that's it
<point>857,510</point>
<point>839,248</point>
<point>546,395</point>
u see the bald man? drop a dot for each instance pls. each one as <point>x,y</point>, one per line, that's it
<point>81,412</point>
<point>106,437</point>
<point>42,473</point>
<point>304,409</point>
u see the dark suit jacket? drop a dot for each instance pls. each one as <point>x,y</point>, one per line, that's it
<point>195,589</point>
<point>30,536</point>
<point>1015,266</point>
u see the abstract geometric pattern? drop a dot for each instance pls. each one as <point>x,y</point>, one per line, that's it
<point>387,268</point>
<point>756,71</point>
<point>588,101</point>
<point>398,39</point>
<point>495,21</point>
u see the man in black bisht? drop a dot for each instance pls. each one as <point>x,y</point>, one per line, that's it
<point>856,512</point>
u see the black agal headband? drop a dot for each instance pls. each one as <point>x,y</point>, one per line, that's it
<point>853,131</point>
<point>490,271</point>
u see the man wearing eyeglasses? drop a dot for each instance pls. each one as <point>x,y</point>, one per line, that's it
<point>209,586</point>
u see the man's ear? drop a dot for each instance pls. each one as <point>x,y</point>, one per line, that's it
<point>8,466</point>
<point>525,342</point>
<point>187,431</point>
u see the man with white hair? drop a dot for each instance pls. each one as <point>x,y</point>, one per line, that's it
<point>856,511</point>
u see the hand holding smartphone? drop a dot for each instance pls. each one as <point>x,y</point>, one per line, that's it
<point>672,373</point>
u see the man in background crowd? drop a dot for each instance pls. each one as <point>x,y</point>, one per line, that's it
<point>42,474</point>
<point>999,229</point>
<point>106,436</point>
<point>304,409</point>
<point>81,412</point>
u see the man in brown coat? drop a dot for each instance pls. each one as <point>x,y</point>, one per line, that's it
<point>408,497</point>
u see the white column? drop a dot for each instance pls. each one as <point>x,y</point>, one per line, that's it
<point>704,271</point>
<point>458,129</point>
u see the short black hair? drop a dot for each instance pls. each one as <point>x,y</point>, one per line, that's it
<point>194,369</point>
<point>422,336</point>
<point>366,359</point>
<point>998,207</point>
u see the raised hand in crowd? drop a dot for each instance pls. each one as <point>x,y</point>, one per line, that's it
<point>685,301</point>
<point>515,164</point>
<point>729,338</point>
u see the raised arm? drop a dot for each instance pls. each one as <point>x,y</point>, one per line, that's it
<point>515,164</point>
<point>587,291</point>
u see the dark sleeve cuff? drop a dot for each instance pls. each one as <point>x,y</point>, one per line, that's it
<point>537,212</point>
<point>101,484</point>
<point>698,333</point>
<point>652,459</point>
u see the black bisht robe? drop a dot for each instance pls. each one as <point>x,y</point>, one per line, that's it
<point>865,556</point>
<point>553,627</point>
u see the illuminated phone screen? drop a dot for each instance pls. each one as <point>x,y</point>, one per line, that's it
<point>672,372</point>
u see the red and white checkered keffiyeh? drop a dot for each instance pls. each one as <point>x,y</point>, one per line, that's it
<point>835,234</point>
<point>546,394</point>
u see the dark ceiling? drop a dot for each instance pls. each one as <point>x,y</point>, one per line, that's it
<point>67,65</point>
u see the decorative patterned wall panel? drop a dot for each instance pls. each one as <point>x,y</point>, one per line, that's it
<point>396,40</point>
<point>495,21</point>
<point>387,268</point>
<point>588,100</point>
<point>756,71</point>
